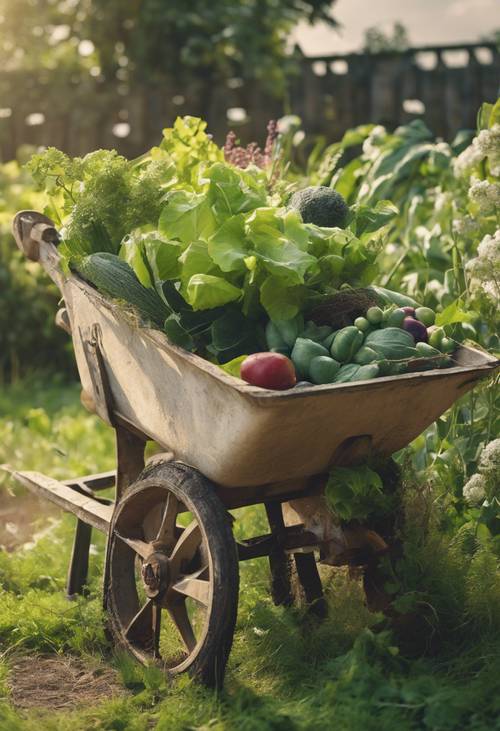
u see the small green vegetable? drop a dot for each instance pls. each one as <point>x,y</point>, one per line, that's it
<point>353,372</point>
<point>303,352</point>
<point>366,355</point>
<point>396,318</point>
<point>436,335</point>
<point>425,315</point>
<point>362,324</point>
<point>323,369</point>
<point>448,345</point>
<point>327,342</point>
<point>427,351</point>
<point>374,315</point>
<point>346,344</point>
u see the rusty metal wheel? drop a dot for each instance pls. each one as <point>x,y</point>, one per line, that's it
<point>172,590</point>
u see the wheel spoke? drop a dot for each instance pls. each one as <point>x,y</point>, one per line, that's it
<point>180,618</point>
<point>140,547</point>
<point>194,587</point>
<point>155,626</point>
<point>166,531</point>
<point>185,548</point>
<point>140,628</point>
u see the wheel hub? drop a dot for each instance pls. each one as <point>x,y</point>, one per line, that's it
<point>155,574</point>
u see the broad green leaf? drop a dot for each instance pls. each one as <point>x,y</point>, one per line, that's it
<point>454,313</point>
<point>196,260</point>
<point>177,334</point>
<point>369,219</point>
<point>284,260</point>
<point>233,367</point>
<point>295,230</point>
<point>186,216</point>
<point>163,257</point>
<point>233,191</point>
<point>484,115</point>
<point>228,247</point>
<point>280,301</point>
<point>204,291</point>
<point>132,251</point>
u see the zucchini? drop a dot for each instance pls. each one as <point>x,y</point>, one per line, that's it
<point>114,277</point>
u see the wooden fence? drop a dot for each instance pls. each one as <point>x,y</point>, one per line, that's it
<point>442,85</point>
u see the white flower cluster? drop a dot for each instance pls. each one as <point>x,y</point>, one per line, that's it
<point>484,270</point>
<point>486,144</point>
<point>468,159</point>
<point>466,226</point>
<point>374,140</point>
<point>488,141</point>
<point>485,195</point>
<point>474,492</point>
<point>489,463</point>
<point>485,484</point>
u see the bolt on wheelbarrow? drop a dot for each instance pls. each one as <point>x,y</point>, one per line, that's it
<point>171,569</point>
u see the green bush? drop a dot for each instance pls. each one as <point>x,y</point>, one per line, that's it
<point>29,339</point>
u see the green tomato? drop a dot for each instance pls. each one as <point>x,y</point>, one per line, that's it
<point>436,335</point>
<point>362,324</point>
<point>374,315</point>
<point>425,315</point>
<point>396,318</point>
<point>448,345</point>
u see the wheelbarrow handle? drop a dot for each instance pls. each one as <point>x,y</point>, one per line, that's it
<point>37,237</point>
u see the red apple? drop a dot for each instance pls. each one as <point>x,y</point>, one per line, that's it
<point>269,370</point>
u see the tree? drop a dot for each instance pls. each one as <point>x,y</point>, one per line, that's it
<point>376,40</point>
<point>155,40</point>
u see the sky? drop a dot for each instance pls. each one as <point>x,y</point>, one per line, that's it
<point>427,21</point>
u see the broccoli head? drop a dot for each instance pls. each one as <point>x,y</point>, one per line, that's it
<point>320,205</point>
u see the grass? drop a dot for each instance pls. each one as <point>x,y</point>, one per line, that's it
<point>286,670</point>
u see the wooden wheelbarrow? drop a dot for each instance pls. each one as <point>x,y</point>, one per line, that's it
<point>171,572</point>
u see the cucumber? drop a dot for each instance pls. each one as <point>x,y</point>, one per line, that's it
<point>114,277</point>
<point>393,298</point>
<point>346,344</point>
<point>366,355</point>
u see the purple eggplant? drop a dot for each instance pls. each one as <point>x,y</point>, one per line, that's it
<point>416,329</point>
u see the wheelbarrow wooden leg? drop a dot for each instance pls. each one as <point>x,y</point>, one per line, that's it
<point>79,563</point>
<point>279,561</point>
<point>308,575</point>
<point>129,459</point>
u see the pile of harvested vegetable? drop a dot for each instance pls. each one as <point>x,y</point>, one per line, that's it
<point>234,261</point>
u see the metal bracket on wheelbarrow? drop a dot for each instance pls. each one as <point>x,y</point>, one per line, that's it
<point>102,396</point>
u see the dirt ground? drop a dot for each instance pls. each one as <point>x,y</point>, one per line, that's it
<point>59,682</point>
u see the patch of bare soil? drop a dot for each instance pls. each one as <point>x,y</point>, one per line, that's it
<point>58,682</point>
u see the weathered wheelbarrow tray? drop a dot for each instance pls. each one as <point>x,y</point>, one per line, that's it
<point>236,434</point>
<point>253,445</point>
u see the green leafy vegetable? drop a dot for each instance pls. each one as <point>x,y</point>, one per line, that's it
<point>355,493</point>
